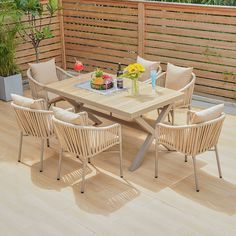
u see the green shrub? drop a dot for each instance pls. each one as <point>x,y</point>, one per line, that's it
<point>8,31</point>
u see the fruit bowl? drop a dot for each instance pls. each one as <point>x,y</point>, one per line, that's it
<point>101,81</point>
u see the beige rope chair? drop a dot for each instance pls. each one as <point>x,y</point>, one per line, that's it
<point>86,141</point>
<point>187,91</point>
<point>38,91</point>
<point>36,123</point>
<point>190,140</point>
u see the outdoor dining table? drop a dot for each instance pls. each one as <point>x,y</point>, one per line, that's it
<point>119,106</point>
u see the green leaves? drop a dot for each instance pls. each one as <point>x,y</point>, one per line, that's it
<point>33,6</point>
<point>98,72</point>
<point>37,20</point>
<point>8,28</point>
<point>45,33</point>
<point>52,6</point>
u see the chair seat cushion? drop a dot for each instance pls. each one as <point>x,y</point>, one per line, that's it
<point>67,116</point>
<point>38,104</point>
<point>206,115</point>
<point>44,72</point>
<point>177,77</point>
<point>148,65</point>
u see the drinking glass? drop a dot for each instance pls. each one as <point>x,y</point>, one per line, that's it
<point>153,75</point>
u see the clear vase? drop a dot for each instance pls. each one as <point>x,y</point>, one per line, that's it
<point>135,87</point>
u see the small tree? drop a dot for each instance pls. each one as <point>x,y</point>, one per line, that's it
<point>33,16</point>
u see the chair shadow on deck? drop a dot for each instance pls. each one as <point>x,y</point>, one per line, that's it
<point>215,193</point>
<point>103,195</point>
<point>70,173</point>
<point>172,168</point>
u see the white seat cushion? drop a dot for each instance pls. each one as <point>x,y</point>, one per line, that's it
<point>177,77</point>
<point>52,96</point>
<point>44,72</point>
<point>67,116</point>
<point>207,114</point>
<point>38,104</point>
<point>148,65</point>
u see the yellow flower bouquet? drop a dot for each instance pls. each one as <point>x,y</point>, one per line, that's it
<point>133,72</point>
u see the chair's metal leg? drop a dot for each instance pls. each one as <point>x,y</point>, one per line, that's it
<point>156,159</point>
<point>172,112</point>
<point>59,164</point>
<point>195,173</point>
<point>218,161</point>
<point>83,176</point>
<point>169,117</point>
<point>89,160</point>
<point>20,146</point>
<point>188,116</point>
<point>41,155</point>
<point>121,160</point>
<point>186,158</point>
<point>48,143</point>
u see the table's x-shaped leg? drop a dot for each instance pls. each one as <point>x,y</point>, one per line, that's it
<point>150,137</point>
<point>79,107</point>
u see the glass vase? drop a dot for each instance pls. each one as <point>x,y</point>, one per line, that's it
<point>135,87</point>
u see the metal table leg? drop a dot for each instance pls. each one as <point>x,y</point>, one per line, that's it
<point>150,137</point>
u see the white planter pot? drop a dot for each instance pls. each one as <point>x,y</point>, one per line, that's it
<point>10,84</point>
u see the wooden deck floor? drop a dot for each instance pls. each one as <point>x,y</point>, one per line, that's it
<point>33,203</point>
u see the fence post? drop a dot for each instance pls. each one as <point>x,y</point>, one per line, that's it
<point>61,18</point>
<point>141,28</point>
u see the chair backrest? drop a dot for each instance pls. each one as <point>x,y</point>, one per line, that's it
<point>202,137</point>
<point>73,138</point>
<point>188,93</point>
<point>36,90</point>
<point>191,139</point>
<point>33,122</point>
<point>162,80</point>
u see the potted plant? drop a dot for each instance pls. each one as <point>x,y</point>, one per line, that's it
<point>10,77</point>
<point>36,27</point>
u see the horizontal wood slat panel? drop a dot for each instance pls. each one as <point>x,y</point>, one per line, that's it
<point>107,31</point>
<point>192,8</point>
<point>101,34</point>
<point>196,16</point>
<point>103,16</point>
<point>109,24</point>
<point>199,37</point>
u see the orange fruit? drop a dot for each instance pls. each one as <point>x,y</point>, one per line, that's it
<point>98,81</point>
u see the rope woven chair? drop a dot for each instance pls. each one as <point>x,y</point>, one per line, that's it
<point>190,140</point>
<point>36,123</point>
<point>38,91</point>
<point>86,141</point>
<point>187,97</point>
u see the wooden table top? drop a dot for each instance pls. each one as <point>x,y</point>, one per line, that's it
<point>120,103</point>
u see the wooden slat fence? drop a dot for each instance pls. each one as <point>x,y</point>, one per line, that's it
<point>102,33</point>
